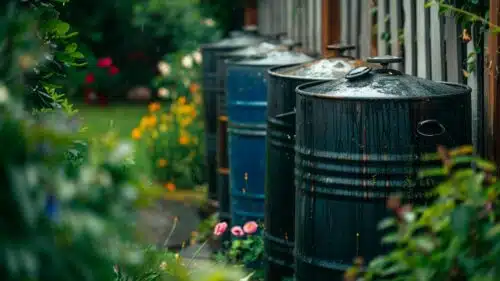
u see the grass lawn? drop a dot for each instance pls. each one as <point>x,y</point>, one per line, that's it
<point>122,118</point>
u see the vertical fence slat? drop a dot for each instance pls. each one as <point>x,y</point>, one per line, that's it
<point>423,54</point>
<point>472,82</point>
<point>365,29</point>
<point>409,37</point>
<point>344,21</point>
<point>310,24</point>
<point>437,47</point>
<point>395,24</point>
<point>381,27</point>
<point>318,30</point>
<point>354,27</point>
<point>453,51</point>
<point>289,19</point>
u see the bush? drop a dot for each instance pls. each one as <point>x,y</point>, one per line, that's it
<point>455,238</point>
<point>173,135</point>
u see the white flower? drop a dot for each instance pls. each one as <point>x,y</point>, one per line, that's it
<point>197,57</point>
<point>163,92</point>
<point>4,94</point>
<point>409,216</point>
<point>164,68</point>
<point>187,61</point>
<point>186,82</point>
<point>209,22</point>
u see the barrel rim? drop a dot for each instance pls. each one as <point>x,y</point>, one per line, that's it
<point>235,62</point>
<point>213,47</point>
<point>273,73</point>
<point>299,90</point>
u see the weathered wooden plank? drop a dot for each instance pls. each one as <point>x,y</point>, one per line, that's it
<point>289,18</point>
<point>381,26</point>
<point>423,52</point>
<point>365,29</point>
<point>453,51</point>
<point>331,23</point>
<point>354,28</point>
<point>344,21</point>
<point>310,25</point>
<point>395,12</point>
<point>318,26</point>
<point>494,93</point>
<point>472,82</point>
<point>437,44</point>
<point>409,37</point>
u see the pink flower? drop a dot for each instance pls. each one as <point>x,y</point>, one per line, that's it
<point>237,231</point>
<point>104,62</point>
<point>250,227</point>
<point>220,228</point>
<point>113,70</point>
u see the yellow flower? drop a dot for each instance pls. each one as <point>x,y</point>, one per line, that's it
<point>162,163</point>
<point>186,109</point>
<point>163,127</point>
<point>152,120</point>
<point>154,106</point>
<point>136,133</point>
<point>182,100</point>
<point>154,134</point>
<point>185,122</point>
<point>144,122</point>
<point>183,140</point>
<point>169,186</point>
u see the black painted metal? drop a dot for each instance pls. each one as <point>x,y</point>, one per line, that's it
<point>358,141</point>
<point>279,183</point>
<point>210,92</point>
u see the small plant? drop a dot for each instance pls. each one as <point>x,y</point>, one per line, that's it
<point>246,249</point>
<point>456,238</point>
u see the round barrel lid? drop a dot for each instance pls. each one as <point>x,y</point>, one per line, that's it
<point>239,41</point>
<point>258,49</point>
<point>276,57</point>
<point>365,82</point>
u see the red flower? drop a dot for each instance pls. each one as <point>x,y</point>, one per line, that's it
<point>113,70</point>
<point>90,78</point>
<point>104,62</point>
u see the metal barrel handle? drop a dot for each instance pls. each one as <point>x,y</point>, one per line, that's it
<point>286,114</point>
<point>385,60</point>
<point>290,45</point>
<point>341,48</point>
<point>430,128</point>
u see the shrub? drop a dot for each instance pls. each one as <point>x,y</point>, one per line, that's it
<point>455,238</point>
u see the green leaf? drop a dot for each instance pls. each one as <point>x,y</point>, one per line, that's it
<point>385,223</point>
<point>460,220</point>
<point>390,238</point>
<point>424,243</point>
<point>70,48</point>
<point>493,232</point>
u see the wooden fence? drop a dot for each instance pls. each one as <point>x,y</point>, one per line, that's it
<point>431,43</point>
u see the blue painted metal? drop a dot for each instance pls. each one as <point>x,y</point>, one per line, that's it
<point>247,113</point>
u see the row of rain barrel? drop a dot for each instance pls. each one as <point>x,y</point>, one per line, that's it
<point>316,147</point>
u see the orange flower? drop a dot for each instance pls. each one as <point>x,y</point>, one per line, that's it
<point>183,140</point>
<point>182,100</point>
<point>162,163</point>
<point>194,88</point>
<point>152,120</point>
<point>136,133</point>
<point>154,106</point>
<point>169,186</point>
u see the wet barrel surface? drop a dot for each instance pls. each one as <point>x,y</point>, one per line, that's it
<point>247,90</point>
<point>279,182</point>
<point>351,155</point>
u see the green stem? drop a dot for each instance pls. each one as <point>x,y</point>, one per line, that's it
<point>461,11</point>
<point>197,253</point>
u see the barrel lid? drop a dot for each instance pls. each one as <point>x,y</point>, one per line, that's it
<point>276,57</point>
<point>365,82</point>
<point>239,41</point>
<point>261,48</point>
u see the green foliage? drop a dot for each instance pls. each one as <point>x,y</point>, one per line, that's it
<point>454,238</point>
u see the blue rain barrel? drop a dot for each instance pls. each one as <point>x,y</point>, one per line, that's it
<point>246,86</point>
<point>211,89</point>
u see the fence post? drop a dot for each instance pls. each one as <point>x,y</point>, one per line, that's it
<point>493,119</point>
<point>330,23</point>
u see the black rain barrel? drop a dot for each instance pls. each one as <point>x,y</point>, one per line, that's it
<point>210,92</point>
<point>246,86</point>
<point>223,194</point>
<point>358,141</point>
<point>280,142</point>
